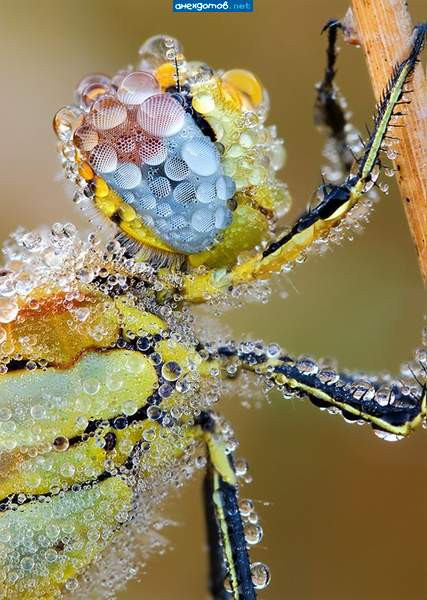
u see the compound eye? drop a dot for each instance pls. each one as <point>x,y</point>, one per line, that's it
<point>163,171</point>
<point>201,156</point>
<point>161,116</point>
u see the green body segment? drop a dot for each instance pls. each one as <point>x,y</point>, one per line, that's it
<point>61,401</point>
<point>44,546</point>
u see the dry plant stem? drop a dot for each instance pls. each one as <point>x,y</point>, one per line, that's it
<point>384,28</point>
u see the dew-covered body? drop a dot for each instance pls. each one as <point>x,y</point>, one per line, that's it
<point>109,383</point>
<point>77,432</point>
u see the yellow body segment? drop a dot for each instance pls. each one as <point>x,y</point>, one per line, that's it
<point>56,329</point>
<point>69,475</point>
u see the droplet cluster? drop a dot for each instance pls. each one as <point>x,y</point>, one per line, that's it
<point>88,453</point>
<point>151,152</point>
<point>393,406</point>
<point>172,150</point>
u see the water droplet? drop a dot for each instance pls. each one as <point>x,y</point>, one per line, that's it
<point>362,390</point>
<point>154,413</point>
<point>171,370</point>
<point>260,575</point>
<point>307,366</point>
<point>61,443</point>
<point>253,533</point>
<point>8,310</point>
<point>241,467</point>
<point>91,386</point>
<point>246,506</point>
<point>384,396</point>
<point>130,407</point>
<point>387,436</point>
<point>71,584</point>
<point>328,376</point>
<point>120,423</point>
<point>27,564</point>
<point>5,413</point>
<point>165,390</point>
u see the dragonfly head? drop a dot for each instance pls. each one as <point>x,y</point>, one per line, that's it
<point>176,155</point>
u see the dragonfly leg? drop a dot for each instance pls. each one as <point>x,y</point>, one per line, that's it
<point>228,553</point>
<point>393,407</point>
<point>335,207</point>
<point>330,113</point>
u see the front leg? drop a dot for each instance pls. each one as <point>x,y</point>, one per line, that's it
<point>330,114</point>
<point>317,224</point>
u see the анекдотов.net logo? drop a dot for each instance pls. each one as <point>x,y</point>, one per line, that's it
<point>213,6</point>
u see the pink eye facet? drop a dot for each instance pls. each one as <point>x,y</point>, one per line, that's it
<point>86,138</point>
<point>161,115</point>
<point>103,158</point>
<point>152,151</point>
<point>107,113</point>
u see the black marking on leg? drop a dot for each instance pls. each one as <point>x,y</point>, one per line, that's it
<point>237,540</point>
<point>401,411</point>
<point>335,196</point>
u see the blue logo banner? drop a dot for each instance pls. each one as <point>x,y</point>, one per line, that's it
<point>220,6</point>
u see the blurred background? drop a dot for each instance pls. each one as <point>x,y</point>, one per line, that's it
<point>343,512</point>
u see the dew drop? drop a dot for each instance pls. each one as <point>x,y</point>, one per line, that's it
<point>61,443</point>
<point>260,575</point>
<point>8,310</point>
<point>246,506</point>
<point>71,584</point>
<point>253,534</point>
<point>91,386</point>
<point>171,370</point>
<point>387,436</point>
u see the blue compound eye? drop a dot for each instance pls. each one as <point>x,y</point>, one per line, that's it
<point>201,156</point>
<point>157,154</point>
<point>176,184</point>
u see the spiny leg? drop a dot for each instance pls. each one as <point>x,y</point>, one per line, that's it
<point>394,408</point>
<point>329,112</point>
<point>316,224</point>
<point>340,199</point>
<point>228,553</point>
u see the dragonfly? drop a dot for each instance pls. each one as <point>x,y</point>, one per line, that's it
<point>109,385</point>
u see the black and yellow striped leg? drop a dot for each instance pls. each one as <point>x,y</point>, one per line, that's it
<point>228,553</point>
<point>394,408</point>
<point>335,208</point>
